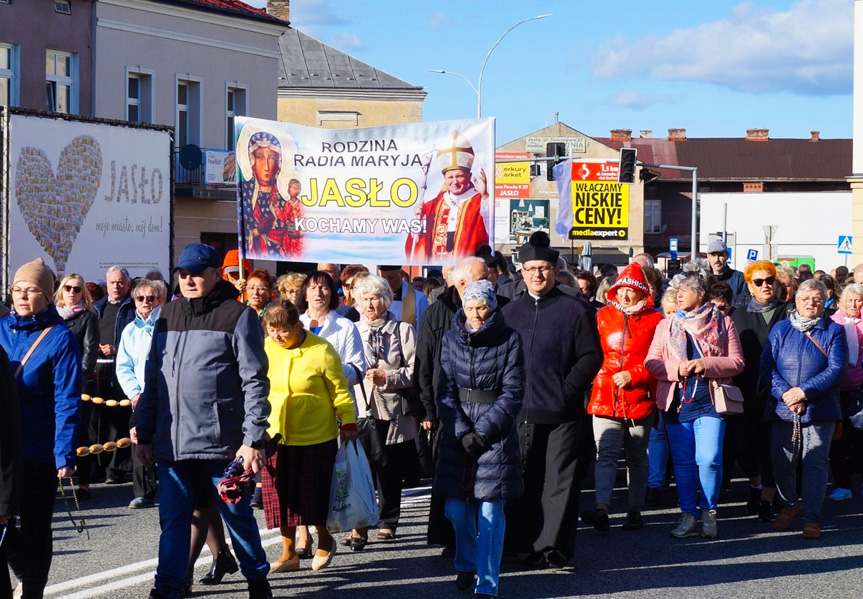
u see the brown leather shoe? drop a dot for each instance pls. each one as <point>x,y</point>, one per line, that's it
<point>786,516</point>
<point>812,530</point>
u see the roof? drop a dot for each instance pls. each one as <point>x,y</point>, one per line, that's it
<point>236,8</point>
<point>309,63</point>
<point>721,158</point>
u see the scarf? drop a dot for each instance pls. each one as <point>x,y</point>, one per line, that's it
<point>633,309</point>
<point>67,312</point>
<point>802,323</point>
<point>706,325</point>
<point>759,307</point>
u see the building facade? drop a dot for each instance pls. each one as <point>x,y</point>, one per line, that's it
<point>194,65</point>
<point>46,55</point>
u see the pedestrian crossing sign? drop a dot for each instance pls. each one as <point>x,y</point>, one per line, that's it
<point>845,244</point>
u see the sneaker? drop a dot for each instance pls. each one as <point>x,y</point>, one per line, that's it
<point>597,518</point>
<point>840,494</point>
<point>765,511</point>
<point>465,580</point>
<point>708,523</point>
<point>140,503</point>
<point>687,527</point>
<point>754,501</point>
<point>634,520</point>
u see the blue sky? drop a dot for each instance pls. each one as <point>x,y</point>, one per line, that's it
<point>712,67</point>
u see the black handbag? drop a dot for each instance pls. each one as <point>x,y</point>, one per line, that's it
<point>372,432</point>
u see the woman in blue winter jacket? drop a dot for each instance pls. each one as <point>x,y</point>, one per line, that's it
<point>479,467</point>
<point>46,361</point>
<point>804,360</point>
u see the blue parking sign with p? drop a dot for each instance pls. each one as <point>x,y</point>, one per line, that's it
<point>752,254</point>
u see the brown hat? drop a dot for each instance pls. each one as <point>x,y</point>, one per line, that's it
<point>38,273</point>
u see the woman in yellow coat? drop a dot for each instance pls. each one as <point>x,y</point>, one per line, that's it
<point>310,401</point>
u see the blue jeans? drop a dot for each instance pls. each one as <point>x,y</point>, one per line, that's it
<point>180,485</point>
<point>657,454</point>
<point>478,548</point>
<point>696,450</point>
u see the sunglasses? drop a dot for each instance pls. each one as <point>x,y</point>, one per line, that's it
<point>72,289</point>
<point>760,282</point>
<point>149,298</point>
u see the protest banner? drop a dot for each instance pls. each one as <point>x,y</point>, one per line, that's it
<point>600,205</point>
<point>419,193</point>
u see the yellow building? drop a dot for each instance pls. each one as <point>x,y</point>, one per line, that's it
<point>320,86</point>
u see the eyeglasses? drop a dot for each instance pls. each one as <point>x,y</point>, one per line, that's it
<point>72,289</point>
<point>28,291</point>
<point>533,270</point>
<point>810,300</point>
<point>148,298</point>
<point>760,282</point>
<point>264,289</point>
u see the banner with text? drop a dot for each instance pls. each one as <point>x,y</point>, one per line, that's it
<point>600,205</point>
<point>419,193</point>
<point>85,196</point>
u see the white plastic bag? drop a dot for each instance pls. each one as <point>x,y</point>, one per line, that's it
<point>352,492</point>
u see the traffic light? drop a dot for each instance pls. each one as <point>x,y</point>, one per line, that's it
<point>556,150</point>
<point>626,172</point>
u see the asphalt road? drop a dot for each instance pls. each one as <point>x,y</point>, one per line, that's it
<point>747,559</point>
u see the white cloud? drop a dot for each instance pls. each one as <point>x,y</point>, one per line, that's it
<point>346,41</point>
<point>639,101</point>
<point>807,49</point>
<point>439,21</point>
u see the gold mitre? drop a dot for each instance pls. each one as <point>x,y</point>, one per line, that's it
<point>458,154</point>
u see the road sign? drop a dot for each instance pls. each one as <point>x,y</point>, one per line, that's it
<point>672,244</point>
<point>752,255</point>
<point>845,244</point>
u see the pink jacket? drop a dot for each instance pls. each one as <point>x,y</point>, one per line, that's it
<point>663,363</point>
<point>854,373</point>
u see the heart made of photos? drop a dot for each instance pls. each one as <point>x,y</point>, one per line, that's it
<point>55,206</point>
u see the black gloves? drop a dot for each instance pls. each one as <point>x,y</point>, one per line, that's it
<point>474,445</point>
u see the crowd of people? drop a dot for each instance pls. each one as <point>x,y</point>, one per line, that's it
<point>501,386</point>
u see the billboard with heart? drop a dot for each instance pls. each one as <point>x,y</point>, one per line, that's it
<point>85,195</point>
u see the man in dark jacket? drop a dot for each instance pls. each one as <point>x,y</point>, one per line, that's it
<point>115,310</point>
<point>205,402</point>
<point>717,256</point>
<point>562,356</point>
<point>10,462</point>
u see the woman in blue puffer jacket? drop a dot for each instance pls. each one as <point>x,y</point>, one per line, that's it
<point>804,360</point>
<point>46,361</point>
<point>479,465</point>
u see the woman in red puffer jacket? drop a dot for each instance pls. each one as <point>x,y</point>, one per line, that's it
<point>621,401</point>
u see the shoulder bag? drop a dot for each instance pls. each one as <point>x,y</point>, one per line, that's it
<point>727,399</point>
<point>31,350</point>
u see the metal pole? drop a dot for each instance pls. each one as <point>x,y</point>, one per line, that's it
<point>725,223</point>
<point>694,212</point>
<point>482,70</point>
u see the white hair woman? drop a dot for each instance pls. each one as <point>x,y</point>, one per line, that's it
<point>804,361</point>
<point>846,447</point>
<point>387,429</point>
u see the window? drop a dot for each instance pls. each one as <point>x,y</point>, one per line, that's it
<point>653,216</point>
<point>8,80</point>
<point>63,7</point>
<point>338,119</point>
<point>188,117</point>
<point>60,82</point>
<point>235,105</point>
<point>139,97</point>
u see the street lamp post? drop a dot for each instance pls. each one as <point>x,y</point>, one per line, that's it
<point>477,89</point>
